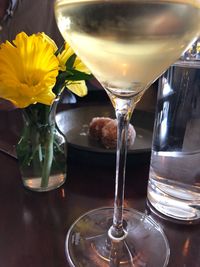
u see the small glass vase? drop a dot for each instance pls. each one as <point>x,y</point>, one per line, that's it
<point>41,150</point>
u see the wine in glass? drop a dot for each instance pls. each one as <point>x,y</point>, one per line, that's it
<point>127,44</point>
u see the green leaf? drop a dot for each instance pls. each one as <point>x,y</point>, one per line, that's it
<point>70,62</point>
<point>76,75</point>
<point>60,50</point>
<point>65,75</point>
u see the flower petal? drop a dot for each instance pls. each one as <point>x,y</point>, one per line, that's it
<point>46,38</point>
<point>80,66</point>
<point>79,88</point>
<point>28,70</point>
<point>66,54</point>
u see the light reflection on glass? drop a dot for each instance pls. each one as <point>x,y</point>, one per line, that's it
<point>186,247</point>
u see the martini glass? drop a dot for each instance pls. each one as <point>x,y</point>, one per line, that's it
<point>127,44</point>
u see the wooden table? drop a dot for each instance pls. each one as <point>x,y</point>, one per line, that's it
<point>33,226</point>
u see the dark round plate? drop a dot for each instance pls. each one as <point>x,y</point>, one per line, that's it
<point>74,123</point>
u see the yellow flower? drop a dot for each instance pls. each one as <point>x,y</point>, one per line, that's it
<point>28,70</point>
<point>77,87</point>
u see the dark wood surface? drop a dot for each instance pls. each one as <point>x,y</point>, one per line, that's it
<point>33,226</point>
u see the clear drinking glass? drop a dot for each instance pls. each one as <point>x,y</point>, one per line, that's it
<point>174,181</point>
<point>126,44</point>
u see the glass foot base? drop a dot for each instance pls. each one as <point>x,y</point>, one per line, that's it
<point>88,243</point>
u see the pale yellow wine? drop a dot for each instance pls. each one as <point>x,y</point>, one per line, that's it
<point>128,44</point>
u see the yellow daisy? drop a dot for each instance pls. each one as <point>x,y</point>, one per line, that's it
<point>28,70</point>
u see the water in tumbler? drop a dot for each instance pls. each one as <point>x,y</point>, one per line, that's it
<point>174,182</point>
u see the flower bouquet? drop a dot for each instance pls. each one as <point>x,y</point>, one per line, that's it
<point>33,73</point>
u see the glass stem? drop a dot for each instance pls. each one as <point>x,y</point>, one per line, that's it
<point>123,114</point>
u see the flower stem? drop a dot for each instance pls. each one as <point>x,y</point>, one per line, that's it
<point>48,157</point>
